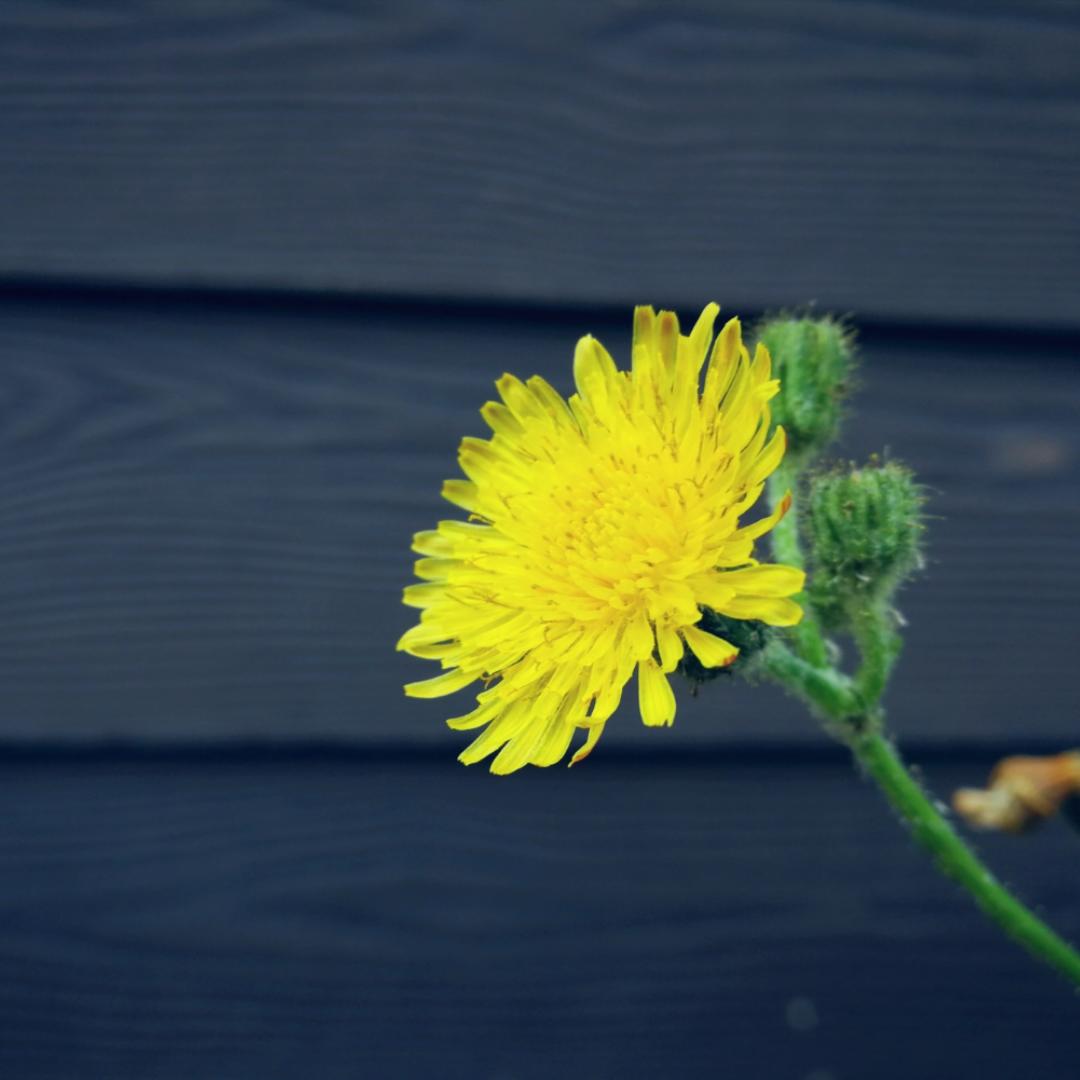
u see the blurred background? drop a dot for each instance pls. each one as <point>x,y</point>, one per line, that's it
<point>260,265</point>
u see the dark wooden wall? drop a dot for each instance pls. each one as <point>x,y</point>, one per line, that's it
<point>260,265</point>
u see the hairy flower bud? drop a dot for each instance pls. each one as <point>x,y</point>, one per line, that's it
<point>865,526</point>
<point>812,358</point>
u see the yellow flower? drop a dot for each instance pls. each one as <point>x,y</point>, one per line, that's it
<point>598,529</point>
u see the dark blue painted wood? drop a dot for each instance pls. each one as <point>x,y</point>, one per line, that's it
<point>207,509</point>
<point>907,160</point>
<point>399,918</point>
<point>205,506</point>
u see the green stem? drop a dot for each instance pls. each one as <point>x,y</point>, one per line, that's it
<point>955,859</point>
<point>846,705</point>
<point>829,693</point>
<point>787,549</point>
<point>879,647</point>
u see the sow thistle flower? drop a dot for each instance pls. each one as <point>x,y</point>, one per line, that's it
<point>604,542</point>
<point>600,530</point>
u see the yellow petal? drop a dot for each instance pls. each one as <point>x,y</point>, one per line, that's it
<point>752,532</point>
<point>518,399</point>
<point>607,700</point>
<point>501,420</point>
<point>432,542</point>
<point>477,718</point>
<point>767,609</point>
<point>586,748</point>
<point>768,579</point>
<point>765,463</point>
<point>422,596</point>
<point>441,685</point>
<point>667,340</point>
<point>670,646</point>
<point>550,742</point>
<point>656,700</point>
<point>701,335</point>
<point>550,400</point>
<point>643,350</point>
<point>762,366</point>
<point>431,569</point>
<point>422,634</point>
<point>479,461</point>
<point>515,753</point>
<point>639,638</point>
<point>712,591</point>
<point>723,364</point>
<point>462,493</point>
<point>436,651</point>
<point>553,746</point>
<point>594,371</point>
<point>710,650</point>
<point>501,730</point>
<point>767,390</point>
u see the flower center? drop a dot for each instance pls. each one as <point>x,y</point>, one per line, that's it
<point>606,532</point>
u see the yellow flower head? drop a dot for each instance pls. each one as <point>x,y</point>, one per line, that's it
<point>598,529</point>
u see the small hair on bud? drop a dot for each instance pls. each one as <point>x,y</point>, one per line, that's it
<point>813,359</point>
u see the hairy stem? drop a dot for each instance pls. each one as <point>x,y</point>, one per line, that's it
<point>847,708</point>
<point>879,647</point>
<point>829,693</point>
<point>957,861</point>
<point>787,549</point>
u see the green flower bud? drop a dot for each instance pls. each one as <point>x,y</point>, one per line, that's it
<point>748,635</point>
<point>865,527</point>
<point>813,359</point>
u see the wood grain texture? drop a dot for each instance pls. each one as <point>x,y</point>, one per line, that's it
<point>207,509</point>
<point>401,919</point>
<point>904,160</point>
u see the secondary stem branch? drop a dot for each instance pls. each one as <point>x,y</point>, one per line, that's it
<point>829,693</point>
<point>879,647</point>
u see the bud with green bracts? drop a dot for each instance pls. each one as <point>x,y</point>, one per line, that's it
<point>813,359</point>
<point>865,525</point>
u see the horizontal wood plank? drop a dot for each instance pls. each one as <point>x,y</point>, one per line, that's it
<point>207,511</point>
<point>396,919</point>
<point>904,160</point>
